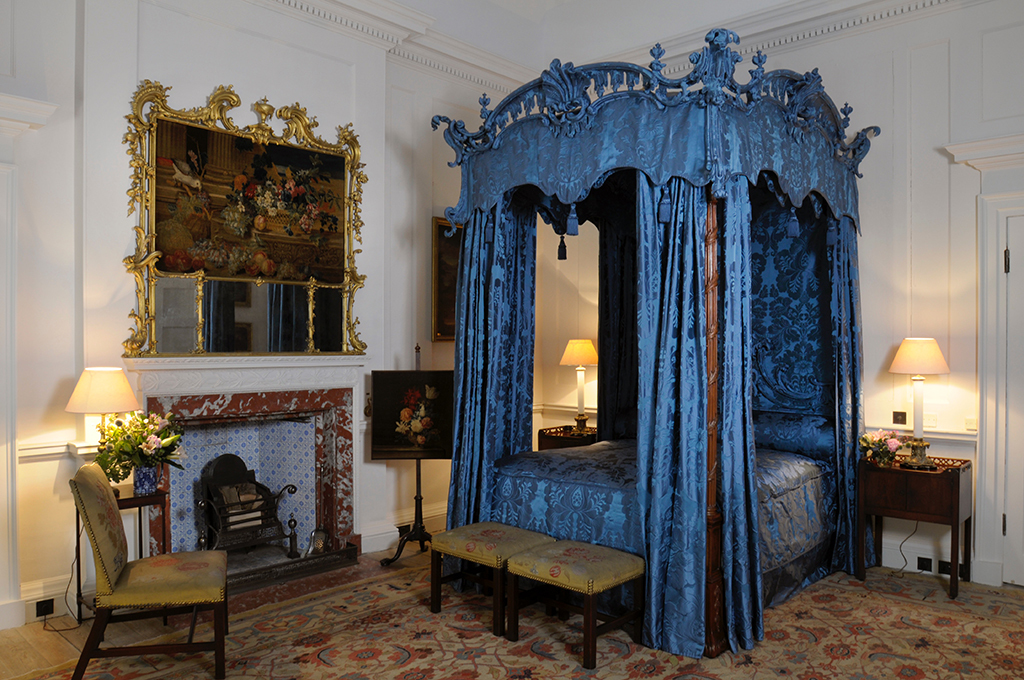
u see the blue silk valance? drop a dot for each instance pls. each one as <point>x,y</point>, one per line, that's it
<point>566,130</point>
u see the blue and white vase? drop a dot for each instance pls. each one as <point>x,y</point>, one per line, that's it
<point>145,480</point>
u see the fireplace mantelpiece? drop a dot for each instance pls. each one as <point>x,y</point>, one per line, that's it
<point>225,388</point>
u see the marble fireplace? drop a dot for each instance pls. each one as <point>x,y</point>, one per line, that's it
<point>291,418</point>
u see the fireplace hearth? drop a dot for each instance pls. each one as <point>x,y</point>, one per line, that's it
<point>303,435</point>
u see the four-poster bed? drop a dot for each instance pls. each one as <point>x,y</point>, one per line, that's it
<point>729,322</point>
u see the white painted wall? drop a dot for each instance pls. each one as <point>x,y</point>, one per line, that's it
<point>72,293</point>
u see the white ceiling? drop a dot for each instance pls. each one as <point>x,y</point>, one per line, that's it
<point>533,32</point>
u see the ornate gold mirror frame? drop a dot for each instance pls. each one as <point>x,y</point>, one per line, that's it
<point>241,214</point>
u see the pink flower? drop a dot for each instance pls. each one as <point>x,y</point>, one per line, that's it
<point>151,444</point>
<point>893,444</point>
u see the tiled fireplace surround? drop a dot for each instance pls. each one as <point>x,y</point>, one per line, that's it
<point>221,391</point>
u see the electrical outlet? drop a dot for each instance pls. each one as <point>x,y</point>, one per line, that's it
<point>971,424</point>
<point>44,607</point>
<point>944,567</point>
<point>930,420</point>
<point>899,417</point>
<point>924,564</point>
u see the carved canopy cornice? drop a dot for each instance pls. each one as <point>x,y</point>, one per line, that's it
<point>780,121</point>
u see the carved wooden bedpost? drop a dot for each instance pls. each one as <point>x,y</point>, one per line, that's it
<point>715,639</point>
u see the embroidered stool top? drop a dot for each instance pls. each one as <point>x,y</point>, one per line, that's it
<point>580,567</point>
<point>487,543</point>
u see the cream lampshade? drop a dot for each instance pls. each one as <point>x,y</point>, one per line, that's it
<point>919,357</point>
<point>101,391</point>
<point>579,353</point>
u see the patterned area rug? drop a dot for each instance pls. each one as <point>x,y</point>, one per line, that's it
<point>892,626</point>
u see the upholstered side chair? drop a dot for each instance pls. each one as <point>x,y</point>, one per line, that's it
<point>162,585</point>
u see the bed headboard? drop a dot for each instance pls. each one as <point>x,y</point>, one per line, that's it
<point>791,325</point>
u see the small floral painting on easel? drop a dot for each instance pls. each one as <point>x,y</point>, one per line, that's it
<point>412,414</point>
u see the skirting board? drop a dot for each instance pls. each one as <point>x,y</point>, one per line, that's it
<point>55,588</point>
<point>383,535</point>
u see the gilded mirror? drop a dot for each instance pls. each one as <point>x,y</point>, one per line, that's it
<point>246,238</point>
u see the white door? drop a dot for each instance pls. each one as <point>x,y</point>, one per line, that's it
<point>1013,547</point>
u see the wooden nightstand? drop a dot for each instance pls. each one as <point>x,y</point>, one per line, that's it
<point>564,437</point>
<point>943,496</point>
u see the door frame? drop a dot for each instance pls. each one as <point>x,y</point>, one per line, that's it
<point>993,212</point>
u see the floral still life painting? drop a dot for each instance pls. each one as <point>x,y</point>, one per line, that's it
<point>412,414</point>
<point>236,207</point>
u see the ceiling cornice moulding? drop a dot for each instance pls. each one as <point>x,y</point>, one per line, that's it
<point>383,23</point>
<point>795,26</point>
<point>441,54</point>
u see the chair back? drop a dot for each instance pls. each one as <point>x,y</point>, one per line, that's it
<point>98,508</point>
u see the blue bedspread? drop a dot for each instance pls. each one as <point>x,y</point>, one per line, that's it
<point>588,493</point>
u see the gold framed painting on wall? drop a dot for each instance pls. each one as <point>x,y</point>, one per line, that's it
<point>249,216</point>
<point>444,278</point>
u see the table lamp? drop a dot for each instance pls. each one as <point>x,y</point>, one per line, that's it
<point>918,357</point>
<point>101,391</point>
<point>579,353</point>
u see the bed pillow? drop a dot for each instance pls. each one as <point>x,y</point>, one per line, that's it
<point>811,436</point>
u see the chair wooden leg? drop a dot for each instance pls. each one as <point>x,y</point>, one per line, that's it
<point>92,643</point>
<point>589,631</point>
<point>435,581</point>
<point>498,604</point>
<point>220,626</point>
<point>512,628</point>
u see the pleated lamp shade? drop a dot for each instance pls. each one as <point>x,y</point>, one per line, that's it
<point>102,390</point>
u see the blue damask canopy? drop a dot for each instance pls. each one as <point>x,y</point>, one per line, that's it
<point>566,130</point>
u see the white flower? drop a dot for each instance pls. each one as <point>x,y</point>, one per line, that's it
<point>431,392</point>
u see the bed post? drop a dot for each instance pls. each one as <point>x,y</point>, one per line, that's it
<point>715,639</point>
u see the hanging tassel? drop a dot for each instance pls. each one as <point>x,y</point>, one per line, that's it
<point>561,248</point>
<point>572,223</point>
<point>833,233</point>
<point>665,209</point>
<point>793,225</point>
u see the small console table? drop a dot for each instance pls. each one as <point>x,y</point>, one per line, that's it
<point>564,437</point>
<point>160,499</point>
<point>942,496</point>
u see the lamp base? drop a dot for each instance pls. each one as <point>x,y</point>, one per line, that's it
<point>581,423</point>
<point>919,459</point>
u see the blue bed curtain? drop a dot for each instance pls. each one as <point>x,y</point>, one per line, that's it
<point>846,333</point>
<point>494,342</point>
<point>671,422</point>
<point>738,485</point>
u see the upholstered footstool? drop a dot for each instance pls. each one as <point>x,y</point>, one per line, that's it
<point>488,544</point>
<point>581,568</point>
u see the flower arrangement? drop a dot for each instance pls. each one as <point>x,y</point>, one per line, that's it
<point>138,441</point>
<point>416,420</point>
<point>302,198</point>
<point>881,445</point>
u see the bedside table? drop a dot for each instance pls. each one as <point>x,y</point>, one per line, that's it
<point>943,496</point>
<point>564,437</point>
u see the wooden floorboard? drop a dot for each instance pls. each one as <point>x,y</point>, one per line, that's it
<point>31,647</point>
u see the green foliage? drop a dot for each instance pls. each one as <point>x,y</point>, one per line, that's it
<point>138,441</point>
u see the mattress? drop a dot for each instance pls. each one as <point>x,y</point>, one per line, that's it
<point>588,493</point>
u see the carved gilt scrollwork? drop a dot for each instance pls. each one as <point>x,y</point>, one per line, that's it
<point>243,205</point>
